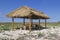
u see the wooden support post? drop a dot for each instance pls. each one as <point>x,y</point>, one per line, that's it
<point>23,21</point>
<point>30,24</point>
<point>45,23</point>
<point>12,24</point>
<point>39,23</point>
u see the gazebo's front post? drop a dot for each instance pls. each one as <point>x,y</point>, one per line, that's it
<point>12,24</point>
<point>45,23</point>
<point>30,25</point>
<point>39,23</point>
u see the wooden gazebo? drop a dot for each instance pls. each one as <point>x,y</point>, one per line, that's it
<point>26,12</point>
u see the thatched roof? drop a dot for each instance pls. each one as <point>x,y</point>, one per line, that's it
<point>25,12</point>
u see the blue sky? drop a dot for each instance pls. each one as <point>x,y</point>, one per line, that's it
<point>49,7</point>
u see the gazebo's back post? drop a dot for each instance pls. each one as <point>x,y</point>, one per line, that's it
<point>45,23</point>
<point>39,23</point>
<point>12,24</point>
<point>23,21</point>
<point>30,24</point>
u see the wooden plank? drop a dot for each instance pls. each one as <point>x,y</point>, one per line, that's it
<point>39,23</point>
<point>45,23</point>
<point>23,21</point>
<point>30,24</point>
<point>12,24</point>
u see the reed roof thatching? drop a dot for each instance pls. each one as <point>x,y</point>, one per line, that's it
<point>25,12</point>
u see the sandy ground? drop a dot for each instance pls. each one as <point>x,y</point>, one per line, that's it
<point>45,34</point>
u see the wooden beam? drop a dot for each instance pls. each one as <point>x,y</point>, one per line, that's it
<point>30,24</point>
<point>45,23</point>
<point>12,24</point>
<point>39,23</point>
<point>23,21</point>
